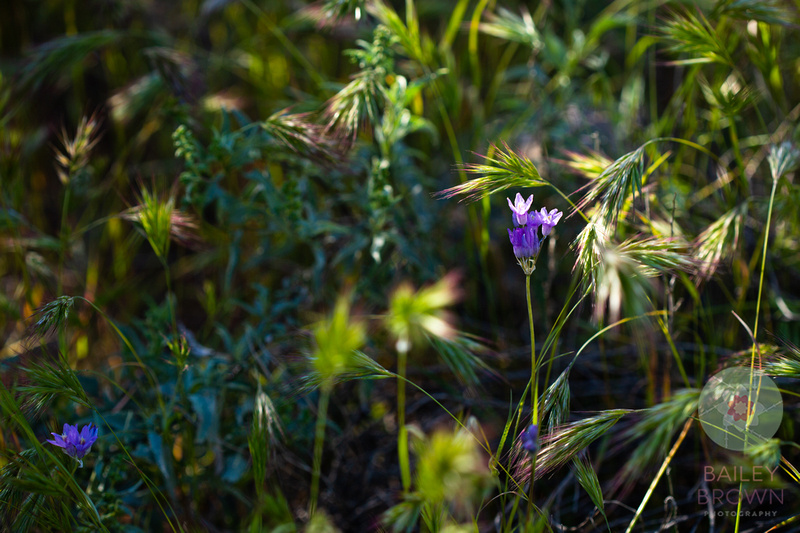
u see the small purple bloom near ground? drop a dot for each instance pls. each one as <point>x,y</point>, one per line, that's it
<point>75,444</point>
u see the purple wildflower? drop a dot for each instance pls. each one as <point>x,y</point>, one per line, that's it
<point>520,208</point>
<point>548,220</point>
<point>75,444</point>
<point>524,236</point>
<point>525,242</point>
<point>529,439</point>
<point>535,219</point>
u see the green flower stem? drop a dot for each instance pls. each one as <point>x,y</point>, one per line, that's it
<point>402,434</point>
<point>319,438</point>
<point>755,331</point>
<point>474,25</point>
<point>175,347</point>
<point>534,381</point>
<point>534,390</point>
<point>170,303</point>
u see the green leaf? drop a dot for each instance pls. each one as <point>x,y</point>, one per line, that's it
<point>205,406</point>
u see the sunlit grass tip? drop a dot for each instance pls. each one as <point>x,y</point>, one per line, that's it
<point>161,222</point>
<point>509,26</point>
<point>336,339</point>
<point>413,314</point>
<point>503,170</point>
<point>73,158</point>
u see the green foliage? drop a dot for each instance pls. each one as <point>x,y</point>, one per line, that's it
<point>692,34</point>
<point>556,402</point>
<point>46,380</point>
<point>360,100</point>
<point>74,158</point>
<point>448,468</point>
<point>782,159</point>
<point>463,356</point>
<point>53,315</point>
<point>718,238</point>
<point>337,339</point>
<point>451,479</point>
<point>274,155</point>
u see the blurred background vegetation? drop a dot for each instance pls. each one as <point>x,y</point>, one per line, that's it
<point>205,179</point>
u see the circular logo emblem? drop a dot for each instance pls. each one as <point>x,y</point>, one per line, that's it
<point>737,411</point>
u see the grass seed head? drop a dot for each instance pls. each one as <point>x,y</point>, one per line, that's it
<point>337,338</point>
<point>413,314</point>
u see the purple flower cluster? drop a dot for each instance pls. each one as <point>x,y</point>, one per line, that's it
<point>525,241</point>
<point>529,439</point>
<point>75,444</point>
<point>525,235</point>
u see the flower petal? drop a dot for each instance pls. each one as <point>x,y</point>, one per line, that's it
<point>71,433</point>
<point>528,202</point>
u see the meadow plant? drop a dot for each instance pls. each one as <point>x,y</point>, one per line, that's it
<point>73,158</point>
<point>300,148</point>
<point>336,341</point>
<point>412,315</point>
<point>527,244</point>
<point>75,444</point>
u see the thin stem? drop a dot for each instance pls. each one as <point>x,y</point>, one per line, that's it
<point>755,332</point>
<point>534,390</point>
<point>402,435</point>
<point>62,252</point>
<point>319,438</point>
<point>175,346</point>
<point>170,304</point>
<point>500,71</point>
<point>660,473</point>
<point>555,332</point>
<point>475,63</point>
<point>574,207</point>
<point>534,381</point>
<point>64,240</point>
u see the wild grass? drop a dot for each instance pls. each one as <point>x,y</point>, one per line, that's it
<point>231,242</point>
